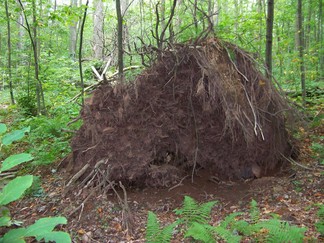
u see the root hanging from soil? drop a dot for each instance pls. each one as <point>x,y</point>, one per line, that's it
<point>199,106</point>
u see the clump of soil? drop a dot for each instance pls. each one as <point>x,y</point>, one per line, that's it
<point>199,106</point>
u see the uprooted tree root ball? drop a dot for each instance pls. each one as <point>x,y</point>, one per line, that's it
<point>199,106</point>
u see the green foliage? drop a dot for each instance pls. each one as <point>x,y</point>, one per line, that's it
<point>254,212</point>
<point>27,104</point>
<point>280,231</point>
<point>192,212</point>
<point>16,135</point>
<point>320,224</point>
<point>14,160</point>
<point>231,229</point>
<point>156,234</point>
<point>207,233</point>
<point>43,228</point>
<point>15,189</point>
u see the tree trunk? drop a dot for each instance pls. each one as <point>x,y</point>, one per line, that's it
<point>269,37</point>
<point>80,51</point>
<point>73,33</point>
<point>321,40</point>
<point>9,53</point>
<point>98,36</point>
<point>301,47</point>
<point>120,41</point>
<point>41,108</point>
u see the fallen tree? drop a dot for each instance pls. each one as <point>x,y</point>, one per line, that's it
<point>199,106</point>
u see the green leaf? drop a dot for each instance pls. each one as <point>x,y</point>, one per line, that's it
<point>14,235</point>
<point>44,225</point>
<point>15,160</point>
<point>14,136</point>
<point>55,236</point>
<point>15,188</point>
<point>5,221</point>
<point>3,128</point>
<point>41,229</point>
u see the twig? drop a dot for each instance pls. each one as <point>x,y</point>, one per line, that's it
<point>296,163</point>
<point>179,184</point>
<point>196,135</point>
<point>68,130</point>
<point>74,120</point>
<point>126,213</point>
<point>75,177</point>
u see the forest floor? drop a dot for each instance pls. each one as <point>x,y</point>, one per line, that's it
<point>294,196</point>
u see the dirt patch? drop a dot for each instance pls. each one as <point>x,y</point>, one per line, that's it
<point>199,106</point>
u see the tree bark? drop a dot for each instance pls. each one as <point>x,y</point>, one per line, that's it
<point>321,40</point>
<point>98,36</point>
<point>269,37</point>
<point>73,33</point>
<point>301,48</point>
<point>80,51</point>
<point>120,41</point>
<point>32,32</point>
<point>9,53</point>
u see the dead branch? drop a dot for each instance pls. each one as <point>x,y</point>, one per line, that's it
<point>74,120</point>
<point>75,178</point>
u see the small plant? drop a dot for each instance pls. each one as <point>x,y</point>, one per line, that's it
<point>156,234</point>
<point>192,212</point>
<point>320,224</point>
<point>43,228</point>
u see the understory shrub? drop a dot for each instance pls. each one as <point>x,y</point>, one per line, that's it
<point>42,229</point>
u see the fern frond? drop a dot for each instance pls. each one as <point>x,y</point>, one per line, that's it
<point>281,231</point>
<point>226,234</point>
<point>200,232</point>
<point>229,220</point>
<point>320,224</point>
<point>156,234</point>
<point>192,212</point>
<point>244,227</point>
<point>254,212</point>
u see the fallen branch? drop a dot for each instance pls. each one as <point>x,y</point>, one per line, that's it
<point>111,78</point>
<point>296,163</point>
<point>179,184</point>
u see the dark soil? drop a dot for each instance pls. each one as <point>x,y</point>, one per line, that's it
<point>293,197</point>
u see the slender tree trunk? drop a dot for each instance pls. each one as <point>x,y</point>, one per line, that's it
<point>41,108</point>
<point>120,41</point>
<point>301,47</point>
<point>320,40</point>
<point>269,37</point>
<point>39,88</point>
<point>20,22</point>
<point>98,24</point>
<point>73,33</point>
<point>80,51</point>
<point>260,25</point>
<point>195,16</point>
<point>9,53</point>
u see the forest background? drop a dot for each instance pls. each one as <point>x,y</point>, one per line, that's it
<point>52,51</point>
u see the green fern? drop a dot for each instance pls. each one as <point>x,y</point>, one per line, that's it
<point>229,220</point>
<point>254,212</point>
<point>192,212</point>
<point>281,231</point>
<point>156,234</point>
<point>320,224</point>
<point>207,233</point>
<point>200,232</point>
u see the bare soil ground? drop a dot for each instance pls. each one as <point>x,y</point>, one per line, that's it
<point>292,195</point>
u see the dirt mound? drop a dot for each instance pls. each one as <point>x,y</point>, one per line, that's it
<point>198,106</point>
